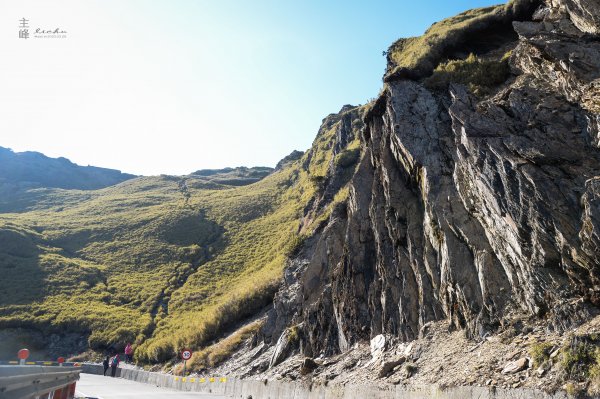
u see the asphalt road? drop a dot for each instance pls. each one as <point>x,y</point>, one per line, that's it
<point>100,387</point>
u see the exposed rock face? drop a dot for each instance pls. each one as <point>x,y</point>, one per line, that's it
<point>465,208</point>
<point>585,14</point>
<point>293,156</point>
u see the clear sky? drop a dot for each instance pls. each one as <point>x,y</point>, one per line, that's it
<point>173,86</point>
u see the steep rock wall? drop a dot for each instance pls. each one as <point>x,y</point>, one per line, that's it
<point>464,208</point>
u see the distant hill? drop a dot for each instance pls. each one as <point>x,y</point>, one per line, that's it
<point>34,170</point>
<point>28,179</point>
<point>239,176</point>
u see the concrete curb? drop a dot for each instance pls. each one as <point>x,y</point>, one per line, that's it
<point>243,388</point>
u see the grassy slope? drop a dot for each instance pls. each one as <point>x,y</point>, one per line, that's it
<point>410,53</point>
<point>472,30</point>
<point>163,261</point>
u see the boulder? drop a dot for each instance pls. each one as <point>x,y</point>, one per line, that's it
<point>585,14</point>
<point>516,366</point>
<point>285,344</point>
<point>513,354</point>
<point>389,365</point>
<point>378,345</point>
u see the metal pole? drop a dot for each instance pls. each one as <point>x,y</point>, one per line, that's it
<point>184,368</point>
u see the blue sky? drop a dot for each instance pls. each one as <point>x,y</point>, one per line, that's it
<point>172,86</point>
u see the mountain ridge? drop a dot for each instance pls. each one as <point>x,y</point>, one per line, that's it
<point>35,170</point>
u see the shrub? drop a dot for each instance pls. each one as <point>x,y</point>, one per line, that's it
<point>410,369</point>
<point>294,334</point>
<point>572,390</point>
<point>594,375</point>
<point>574,358</point>
<point>540,352</point>
<point>478,75</point>
<point>347,158</point>
<point>580,358</point>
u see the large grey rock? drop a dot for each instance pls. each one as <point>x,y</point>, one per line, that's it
<point>585,14</point>
<point>515,366</point>
<point>284,346</point>
<point>378,345</point>
<point>388,366</point>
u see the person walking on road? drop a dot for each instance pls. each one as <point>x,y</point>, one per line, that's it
<point>113,365</point>
<point>128,353</point>
<point>105,363</point>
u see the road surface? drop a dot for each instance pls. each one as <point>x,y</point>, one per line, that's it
<point>100,387</point>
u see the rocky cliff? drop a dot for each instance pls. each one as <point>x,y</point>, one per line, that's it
<point>475,198</point>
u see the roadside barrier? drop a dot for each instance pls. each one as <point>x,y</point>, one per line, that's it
<point>39,363</point>
<point>38,381</point>
<point>232,387</point>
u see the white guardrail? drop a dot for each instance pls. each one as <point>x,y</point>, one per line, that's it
<point>38,382</point>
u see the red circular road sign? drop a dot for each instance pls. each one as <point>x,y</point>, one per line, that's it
<point>60,360</point>
<point>23,354</point>
<point>186,354</point>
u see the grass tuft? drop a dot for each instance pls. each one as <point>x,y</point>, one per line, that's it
<point>540,352</point>
<point>480,76</point>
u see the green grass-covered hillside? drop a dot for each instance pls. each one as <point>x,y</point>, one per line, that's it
<point>165,262</point>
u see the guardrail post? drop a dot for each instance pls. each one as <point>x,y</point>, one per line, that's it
<point>71,391</point>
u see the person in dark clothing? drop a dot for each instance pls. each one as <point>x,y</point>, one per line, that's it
<point>113,365</point>
<point>105,363</point>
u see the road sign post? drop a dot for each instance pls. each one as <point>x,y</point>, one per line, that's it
<point>186,355</point>
<point>23,354</point>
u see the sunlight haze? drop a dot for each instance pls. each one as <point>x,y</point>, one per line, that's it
<point>152,87</point>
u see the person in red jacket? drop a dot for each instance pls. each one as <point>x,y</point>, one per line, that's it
<point>128,353</point>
